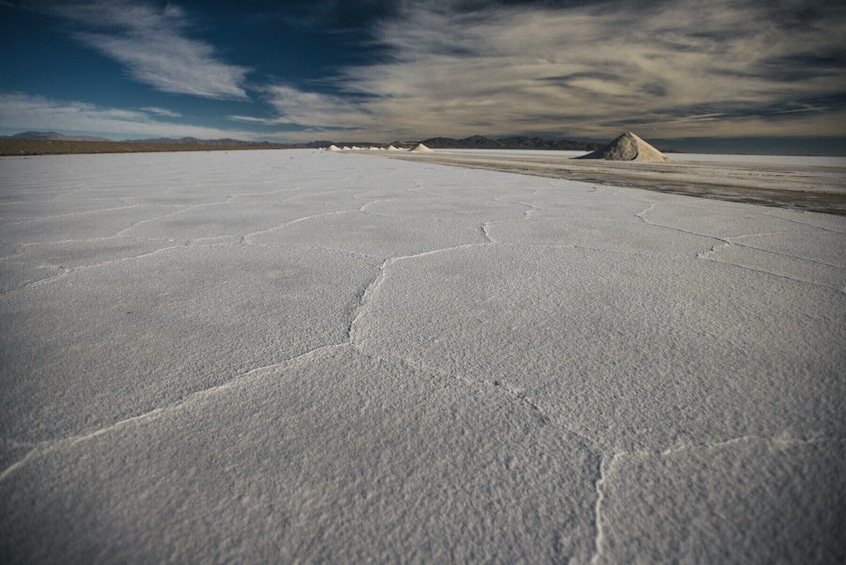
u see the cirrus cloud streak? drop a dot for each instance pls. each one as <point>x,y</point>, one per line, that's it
<point>154,48</point>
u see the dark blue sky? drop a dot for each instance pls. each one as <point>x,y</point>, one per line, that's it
<point>376,70</point>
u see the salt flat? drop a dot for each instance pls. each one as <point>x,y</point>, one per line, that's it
<point>276,356</point>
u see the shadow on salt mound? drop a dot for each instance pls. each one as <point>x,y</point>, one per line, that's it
<point>627,147</point>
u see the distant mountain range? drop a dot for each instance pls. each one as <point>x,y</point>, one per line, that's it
<point>194,141</point>
<point>517,142</point>
<point>53,136</point>
<point>479,142</point>
<point>472,142</point>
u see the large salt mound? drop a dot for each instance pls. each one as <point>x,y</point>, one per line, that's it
<point>627,147</point>
<point>420,148</point>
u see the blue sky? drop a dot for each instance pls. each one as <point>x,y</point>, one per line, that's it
<point>385,70</point>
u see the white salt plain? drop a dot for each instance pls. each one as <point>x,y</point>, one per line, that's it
<point>303,356</point>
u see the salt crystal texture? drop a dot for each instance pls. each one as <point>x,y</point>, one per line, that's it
<point>281,356</point>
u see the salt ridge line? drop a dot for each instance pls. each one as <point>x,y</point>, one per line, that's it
<point>370,287</point>
<point>49,446</point>
<point>725,242</point>
<point>712,253</point>
<point>373,287</point>
<point>608,462</point>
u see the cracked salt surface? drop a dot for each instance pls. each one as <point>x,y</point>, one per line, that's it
<point>283,356</point>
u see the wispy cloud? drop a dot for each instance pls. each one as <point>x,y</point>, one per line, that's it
<point>22,111</point>
<point>164,112</point>
<point>675,69</point>
<point>252,120</point>
<point>317,111</point>
<point>152,44</point>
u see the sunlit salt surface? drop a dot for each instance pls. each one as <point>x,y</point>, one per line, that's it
<point>280,356</point>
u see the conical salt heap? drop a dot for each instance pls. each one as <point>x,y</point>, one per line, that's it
<point>627,147</point>
<point>420,148</point>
